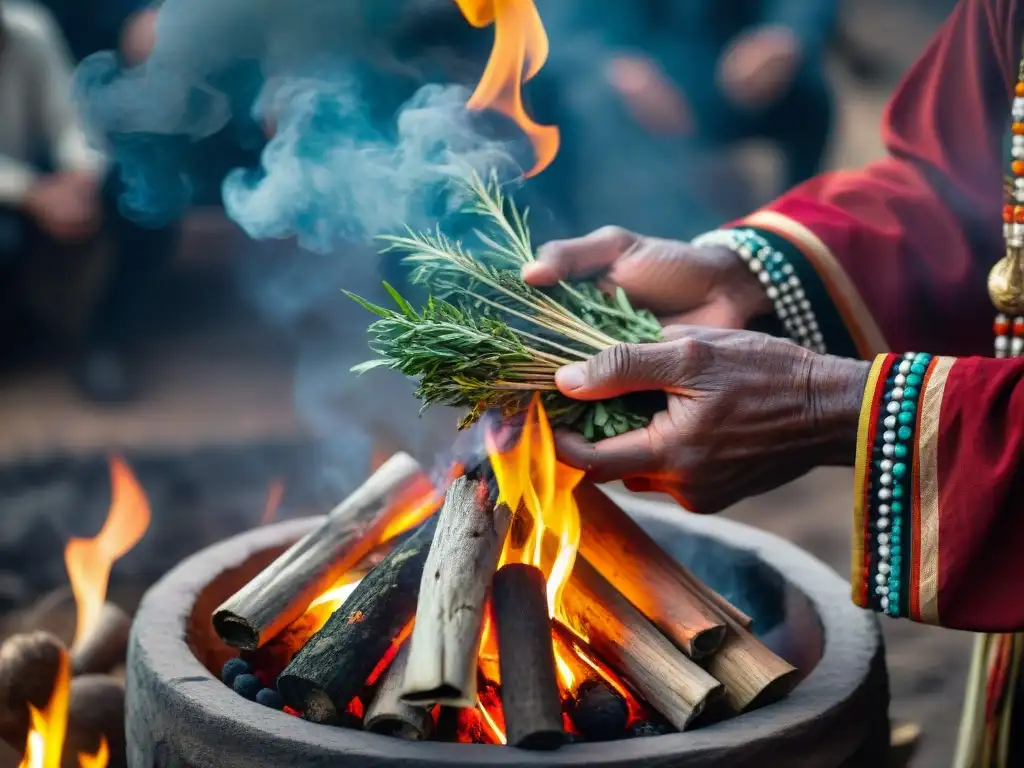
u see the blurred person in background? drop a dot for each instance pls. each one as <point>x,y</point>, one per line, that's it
<point>660,90</point>
<point>76,269</point>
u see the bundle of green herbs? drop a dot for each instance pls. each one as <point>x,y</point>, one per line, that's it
<point>485,339</point>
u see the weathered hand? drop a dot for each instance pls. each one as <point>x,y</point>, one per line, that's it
<point>679,282</point>
<point>746,413</point>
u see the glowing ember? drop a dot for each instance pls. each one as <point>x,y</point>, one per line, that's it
<point>492,720</point>
<point>89,561</point>
<point>418,502</point>
<point>531,480</point>
<point>274,496</point>
<point>520,50</point>
<point>45,742</point>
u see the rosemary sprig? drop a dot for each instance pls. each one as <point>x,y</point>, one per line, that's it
<point>487,340</point>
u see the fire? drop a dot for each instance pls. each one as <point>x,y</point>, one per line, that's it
<point>320,610</point>
<point>275,493</point>
<point>531,480</point>
<point>89,561</point>
<point>98,760</point>
<point>520,50</point>
<point>48,728</point>
<point>417,502</point>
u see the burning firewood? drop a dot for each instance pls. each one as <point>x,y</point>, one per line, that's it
<point>598,711</point>
<point>332,667</point>
<point>388,714</point>
<point>674,685</point>
<point>105,645</point>
<point>282,591</point>
<point>529,692</point>
<point>645,574</point>
<point>29,665</point>
<point>471,530</point>
<point>95,715</point>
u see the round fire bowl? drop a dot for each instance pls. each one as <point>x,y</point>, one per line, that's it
<point>179,714</point>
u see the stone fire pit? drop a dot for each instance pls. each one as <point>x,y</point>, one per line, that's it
<point>179,714</point>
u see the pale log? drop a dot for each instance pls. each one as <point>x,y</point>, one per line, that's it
<point>529,692</point>
<point>752,674</point>
<point>282,591</point>
<point>670,682</point>
<point>332,667</point>
<point>388,714</point>
<point>471,531</point>
<point>105,646</point>
<point>646,575</point>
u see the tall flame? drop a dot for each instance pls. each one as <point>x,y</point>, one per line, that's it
<point>520,50</point>
<point>49,727</point>
<point>531,480</point>
<point>89,561</point>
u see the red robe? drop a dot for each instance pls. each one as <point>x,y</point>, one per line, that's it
<point>896,256</point>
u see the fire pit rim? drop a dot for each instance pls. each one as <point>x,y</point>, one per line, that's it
<point>159,638</point>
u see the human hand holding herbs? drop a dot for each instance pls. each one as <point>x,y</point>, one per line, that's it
<point>485,339</point>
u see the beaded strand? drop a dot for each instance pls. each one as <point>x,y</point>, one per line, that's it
<point>777,275</point>
<point>1009,323</point>
<point>893,456</point>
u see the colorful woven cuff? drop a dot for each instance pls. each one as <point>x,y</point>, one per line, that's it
<point>779,277</point>
<point>885,482</point>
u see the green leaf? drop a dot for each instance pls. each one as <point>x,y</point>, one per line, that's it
<point>369,365</point>
<point>405,306</point>
<point>369,306</point>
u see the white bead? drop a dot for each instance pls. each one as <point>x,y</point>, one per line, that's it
<point>773,292</point>
<point>884,603</point>
<point>904,367</point>
<point>764,277</point>
<point>889,436</point>
<point>787,269</point>
<point>1017,151</point>
<point>885,479</point>
<point>1018,141</point>
<point>794,281</point>
<point>1017,347</point>
<point>900,380</point>
<point>884,510</point>
<point>883,568</point>
<point>817,337</point>
<point>883,551</point>
<point>897,393</point>
<point>1018,183</point>
<point>882,523</point>
<point>884,494</point>
<point>1002,342</point>
<point>909,355</point>
<point>883,538</point>
<point>890,421</point>
<point>881,579</point>
<point>885,465</point>
<point>881,590</point>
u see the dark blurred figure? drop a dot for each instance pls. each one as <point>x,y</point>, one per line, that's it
<point>661,89</point>
<point>64,250</point>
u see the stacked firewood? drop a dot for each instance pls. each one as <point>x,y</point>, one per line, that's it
<point>413,626</point>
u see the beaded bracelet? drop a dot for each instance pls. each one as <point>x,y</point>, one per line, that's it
<point>890,477</point>
<point>779,278</point>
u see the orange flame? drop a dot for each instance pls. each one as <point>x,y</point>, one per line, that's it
<point>275,493</point>
<point>45,742</point>
<point>520,50</point>
<point>531,480</point>
<point>89,561</point>
<point>98,760</point>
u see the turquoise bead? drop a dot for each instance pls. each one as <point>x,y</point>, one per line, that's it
<point>905,433</point>
<point>897,492</point>
<point>914,380</point>
<point>899,469</point>
<point>896,506</point>
<point>906,418</point>
<point>919,368</point>
<point>908,405</point>
<point>895,550</point>
<point>910,393</point>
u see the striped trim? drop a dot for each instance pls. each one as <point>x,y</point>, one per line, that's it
<point>927,497</point>
<point>863,329</point>
<point>866,430</point>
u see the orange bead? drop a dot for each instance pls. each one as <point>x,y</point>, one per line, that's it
<point>1008,213</point>
<point>1018,214</point>
<point>1017,166</point>
<point>1001,327</point>
<point>1019,89</point>
<point>1018,129</point>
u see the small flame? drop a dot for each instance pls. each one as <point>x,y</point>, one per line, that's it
<point>275,493</point>
<point>531,480</point>
<point>98,760</point>
<point>89,561</point>
<point>320,610</point>
<point>45,742</point>
<point>520,50</point>
<point>418,502</point>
